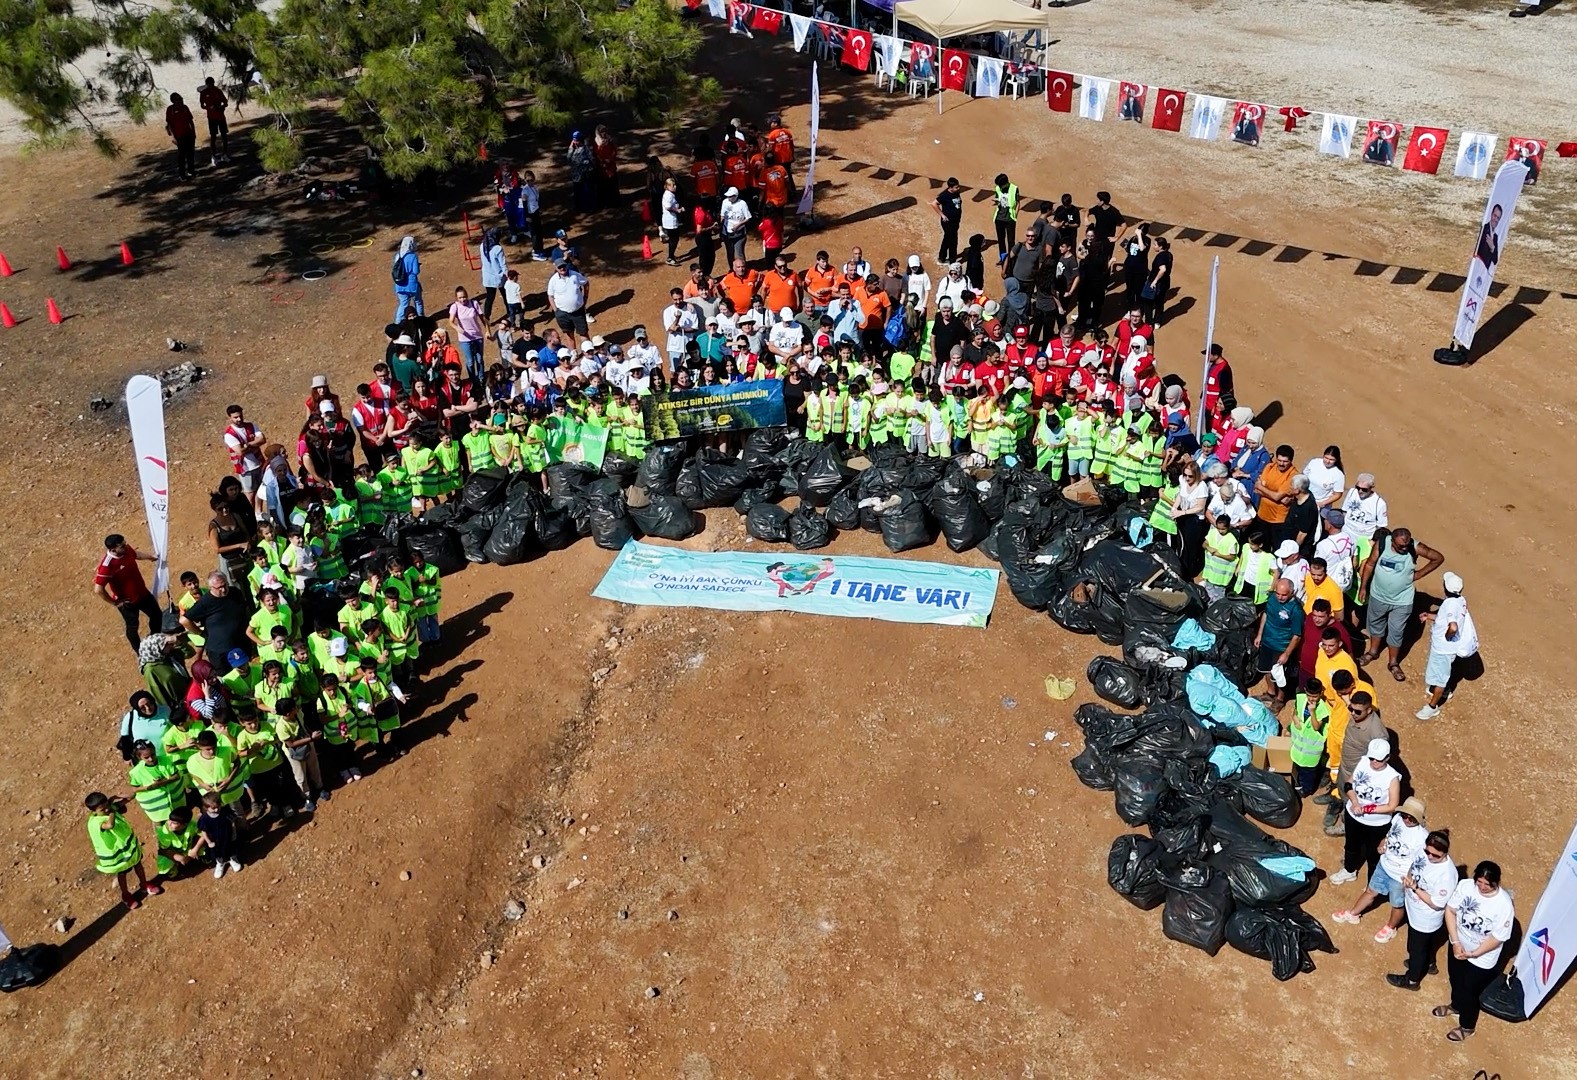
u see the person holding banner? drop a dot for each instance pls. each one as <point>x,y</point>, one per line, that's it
<point>1479,919</point>
<point>118,581</point>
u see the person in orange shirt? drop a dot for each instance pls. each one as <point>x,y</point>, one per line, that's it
<point>821,282</point>
<point>877,308</point>
<point>779,287</point>
<point>736,172</point>
<point>775,186</point>
<point>740,285</point>
<point>703,172</point>
<point>1274,488</point>
<point>696,284</point>
<point>780,142</point>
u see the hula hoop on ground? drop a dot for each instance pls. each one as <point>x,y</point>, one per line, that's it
<point>278,256</point>
<point>317,273</point>
<point>364,242</point>
<point>322,249</point>
<point>345,287</point>
<point>338,238</point>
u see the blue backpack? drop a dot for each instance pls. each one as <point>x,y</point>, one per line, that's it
<point>897,331</point>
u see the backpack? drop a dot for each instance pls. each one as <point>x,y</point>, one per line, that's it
<point>399,271</point>
<point>897,331</point>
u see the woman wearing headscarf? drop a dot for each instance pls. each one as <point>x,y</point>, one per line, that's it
<point>163,669</point>
<point>494,269</point>
<point>1233,427</point>
<point>1250,459</point>
<point>406,270</point>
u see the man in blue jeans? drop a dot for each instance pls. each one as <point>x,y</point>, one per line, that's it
<point>468,327</point>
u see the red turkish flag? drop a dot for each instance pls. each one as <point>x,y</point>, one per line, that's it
<point>766,20</point>
<point>857,50</point>
<point>1130,101</point>
<point>1168,115</point>
<point>1567,149</point>
<point>1425,147</point>
<point>955,69</point>
<point>1379,144</point>
<point>1059,91</point>
<point>1530,152</point>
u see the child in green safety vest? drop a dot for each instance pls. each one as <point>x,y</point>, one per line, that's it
<point>191,591</point>
<point>858,435</point>
<point>1256,569</point>
<point>342,728</point>
<point>258,746</point>
<point>179,742</point>
<point>1051,442</point>
<point>399,621</point>
<point>1002,439</point>
<point>426,591</point>
<point>450,475</point>
<point>426,474</point>
<point>369,497</point>
<point>380,699</point>
<point>216,769</point>
<point>960,409</point>
<point>395,484</point>
<point>1161,519</point>
<point>1221,557</point>
<point>174,838</point>
<point>268,540</point>
<point>1310,714</point>
<point>1081,440</point>
<point>298,746</point>
<point>157,782</point>
<point>115,847</point>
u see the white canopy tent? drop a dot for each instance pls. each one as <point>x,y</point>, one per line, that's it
<point>959,18</point>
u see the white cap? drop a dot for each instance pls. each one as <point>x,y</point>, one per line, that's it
<point>564,353</point>
<point>1452,582</point>
<point>599,341</point>
<point>1379,749</point>
<point>991,308</point>
<point>338,646</point>
<point>1021,383</point>
<point>403,339</point>
<point>532,354</point>
<point>731,193</point>
<point>325,406</point>
<point>914,260</point>
<point>587,346</point>
<point>1287,550</point>
<point>786,314</point>
<point>319,380</point>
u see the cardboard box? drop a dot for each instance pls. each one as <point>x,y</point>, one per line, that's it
<point>1275,756</point>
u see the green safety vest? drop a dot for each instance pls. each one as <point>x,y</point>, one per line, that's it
<point>396,487</point>
<point>425,587</point>
<point>116,850</point>
<point>1048,448</point>
<point>335,709</point>
<point>1105,450</point>
<point>351,619</point>
<point>170,840</point>
<point>331,560</point>
<point>400,621</point>
<point>1012,201</point>
<point>1150,472</point>
<point>1221,557</point>
<point>1308,744</point>
<point>1257,569</point>
<point>1002,441</point>
<point>478,449</point>
<point>901,365</point>
<point>1081,438</point>
<point>813,418</point>
<point>369,502</point>
<point>375,692</point>
<point>1130,465</point>
<point>157,802</point>
<point>835,413</point>
<point>340,517</point>
<point>1161,519</point>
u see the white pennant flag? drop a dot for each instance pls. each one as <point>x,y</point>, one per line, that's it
<point>887,54</point>
<point>808,197</point>
<point>800,25</point>
<point>1092,98</point>
<point>145,410</point>
<point>718,9</point>
<point>1206,120</point>
<point>988,78</point>
<point>1474,153</point>
<point>1336,135</point>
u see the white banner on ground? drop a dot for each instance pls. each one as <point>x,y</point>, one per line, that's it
<point>808,196</point>
<point>1473,154</point>
<point>1336,134</point>
<point>145,409</point>
<point>1491,242</point>
<point>1206,120</point>
<point>1551,944</point>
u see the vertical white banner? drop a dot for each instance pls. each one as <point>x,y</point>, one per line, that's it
<point>1210,338</point>
<point>1206,121</point>
<point>1548,949</point>
<point>808,196</point>
<point>145,410</point>
<point>1489,246</point>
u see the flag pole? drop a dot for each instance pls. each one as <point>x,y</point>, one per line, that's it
<point>937,67</point>
<point>1210,339</point>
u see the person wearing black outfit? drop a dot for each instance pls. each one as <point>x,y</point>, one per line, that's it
<point>949,207</point>
<point>1092,285</point>
<point>1066,218</point>
<point>1045,316</point>
<point>948,330</point>
<point>1136,264</point>
<point>1108,220</point>
<point>1152,299</point>
<point>975,262</point>
<point>795,387</point>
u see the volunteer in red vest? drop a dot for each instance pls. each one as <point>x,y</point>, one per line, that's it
<point>1131,327</point>
<point>244,442</point>
<point>1218,380</point>
<point>370,418</point>
<point>118,581</point>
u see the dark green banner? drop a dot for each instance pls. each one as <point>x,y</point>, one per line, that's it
<point>706,410</point>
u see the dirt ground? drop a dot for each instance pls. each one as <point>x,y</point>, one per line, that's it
<point>836,848</point>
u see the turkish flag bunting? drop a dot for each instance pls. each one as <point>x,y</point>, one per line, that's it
<point>766,20</point>
<point>692,4</point>
<point>1566,149</point>
<point>955,69</point>
<point>1059,92</point>
<point>1168,115</point>
<point>1425,147</point>
<point>857,50</point>
<point>832,33</point>
<point>1291,115</point>
<point>1533,147</point>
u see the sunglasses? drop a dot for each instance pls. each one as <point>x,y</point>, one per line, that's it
<point>1434,855</point>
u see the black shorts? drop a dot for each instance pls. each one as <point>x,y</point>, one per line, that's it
<point>572,322</point>
<point>217,126</point>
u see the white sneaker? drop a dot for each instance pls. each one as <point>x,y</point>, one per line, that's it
<point>219,871</point>
<point>1428,712</point>
<point>235,866</point>
<point>1342,877</point>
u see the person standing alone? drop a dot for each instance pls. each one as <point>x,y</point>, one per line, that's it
<point>119,582</point>
<point>183,129</point>
<point>1005,195</point>
<point>949,207</point>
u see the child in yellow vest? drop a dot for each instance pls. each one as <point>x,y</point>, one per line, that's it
<point>115,847</point>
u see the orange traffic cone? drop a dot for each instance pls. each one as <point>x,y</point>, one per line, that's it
<point>60,257</point>
<point>7,319</point>
<point>646,247</point>
<point>5,266</point>
<point>125,254</point>
<point>54,312</point>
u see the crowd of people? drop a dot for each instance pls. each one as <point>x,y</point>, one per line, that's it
<point>1008,353</point>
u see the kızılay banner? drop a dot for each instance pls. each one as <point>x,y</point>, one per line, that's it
<point>893,590</point>
<point>705,410</point>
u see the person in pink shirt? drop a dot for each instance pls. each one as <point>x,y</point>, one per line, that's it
<point>469,329</point>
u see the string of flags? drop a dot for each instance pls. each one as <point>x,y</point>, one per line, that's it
<point>1379,142</point>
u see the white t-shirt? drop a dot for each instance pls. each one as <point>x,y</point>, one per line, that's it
<point>1295,573</point>
<point>1439,880</point>
<point>786,337</point>
<point>512,291</point>
<point>1403,843</point>
<point>1234,505</point>
<point>918,282</point>
<point>1365,513</point>
<point>679,321</point>
<point>671,211</point>
<point>733,215</point>
<point>567,291</point>
<point>1338,552</point>
<point>1324,480</point>
<point>1480,918</point>
<point>1372,785</point>
<point>1453,609</point>
<point>642,353</point>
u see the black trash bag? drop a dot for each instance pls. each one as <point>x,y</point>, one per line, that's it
<point>659,470</point>
<point>1139,784</point>
<point>843,512</point>
<point>664,516</point>
<point>1115,682</point>
<point>556,529</point>
<point>820,478</point>
<point>1022,481</point>
<point>755,496</point>
<point>1133,871</point>
<point>1267,797</point>
<point>1171,731</point>
<point>1237,846</point>
<point>1502,998</point>
<point>1283,935</point>
<point>796,451</point>
<point>619,467</point>
<point>923,475</point>
<point>761,450</point>
<point>768,522</point>
<point>359,544</point>
<point>1163,608</point>
<point>906,525</point>
<point>963,522</point>
<point>1031,583</point>
<point>990,492</point>
<point>28,965</point>
<point>568,478</point>
<point>1184,839</point>
<point>443,514</point>
<point>1093,767</point>
<point>1198,916</point>
<point>474,532</point>
<point>888,454</point>
<point>393,526</point>
<point>1104,727</point>
<point>711,479</point>
<point>611,526</point>
<point>525,498</point>
<point>513,540</point>
<point>438,544</point>
<point>1120,568</point>
<point>484,489</point>
<point>577,506</point>
<point>1025,528</point>
<point>1229,613</point>
<point>1086,607</point>
<point>809,529</point>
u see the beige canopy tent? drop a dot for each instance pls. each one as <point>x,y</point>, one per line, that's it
<point>958,18</point>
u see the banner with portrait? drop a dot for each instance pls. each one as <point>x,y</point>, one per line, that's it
<point>1503,195</point>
